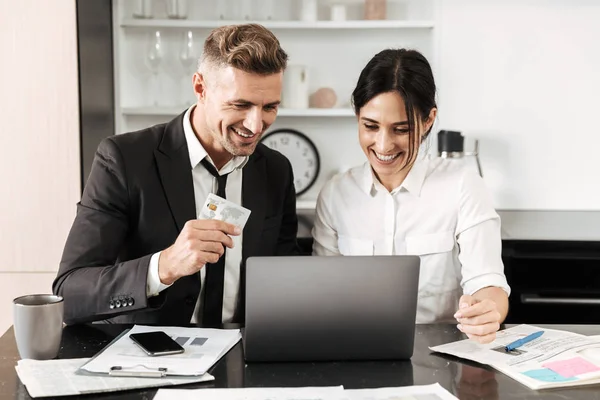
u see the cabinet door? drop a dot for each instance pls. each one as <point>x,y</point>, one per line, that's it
<point>553,281</point>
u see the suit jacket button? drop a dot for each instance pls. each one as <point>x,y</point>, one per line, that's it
<point>189,301</point>
<point>118,303</point>
<point>111,305</point>
<point>130,301</point>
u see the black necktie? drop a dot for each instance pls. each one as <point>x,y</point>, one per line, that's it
<point>212,314</point>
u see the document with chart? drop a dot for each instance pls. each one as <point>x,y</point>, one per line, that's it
<point>203,348</point>
<point>554,358</point>
<point>50,378</point>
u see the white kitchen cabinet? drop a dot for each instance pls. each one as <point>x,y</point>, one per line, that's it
<point>334,53</point>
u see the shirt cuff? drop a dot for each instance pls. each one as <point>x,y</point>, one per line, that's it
<point>487,280</point>
<point>153,284</point>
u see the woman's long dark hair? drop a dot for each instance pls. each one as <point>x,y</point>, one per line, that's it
<point>406,72</point>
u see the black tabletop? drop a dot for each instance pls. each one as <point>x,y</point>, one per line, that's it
<point>464,379</point>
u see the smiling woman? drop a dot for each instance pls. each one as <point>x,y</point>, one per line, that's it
<point>411,205</point>
<point>389,139</point>
<point>396,107</point>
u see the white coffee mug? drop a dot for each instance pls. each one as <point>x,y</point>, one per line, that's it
<point>295,87</point>
<point>309,10</point>
<point>338,12</point>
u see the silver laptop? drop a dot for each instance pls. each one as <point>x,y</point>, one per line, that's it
<point>310,308</point>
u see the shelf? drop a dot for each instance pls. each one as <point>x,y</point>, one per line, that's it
<point>308,112</point>
<point>350,24</point>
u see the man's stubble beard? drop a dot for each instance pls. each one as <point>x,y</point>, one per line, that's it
<point>240,151</point>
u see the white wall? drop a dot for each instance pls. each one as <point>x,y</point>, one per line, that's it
<point>39,156</point>
<point>523,77</point>
<point>19,284</point>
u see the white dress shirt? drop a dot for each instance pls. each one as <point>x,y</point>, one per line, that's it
<point>442,212</point>
<point>205,183</point>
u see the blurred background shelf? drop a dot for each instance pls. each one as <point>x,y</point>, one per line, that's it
<point>349,24</point>
<point>308,112</point>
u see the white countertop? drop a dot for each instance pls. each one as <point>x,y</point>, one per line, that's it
<point>550,225</point>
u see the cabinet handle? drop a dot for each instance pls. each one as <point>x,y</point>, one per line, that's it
<point>535,299</point>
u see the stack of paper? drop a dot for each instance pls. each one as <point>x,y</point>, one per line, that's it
<point>554,359</point>
<point>203,348</point>
<point>59,378</point>
<point>428,392</point>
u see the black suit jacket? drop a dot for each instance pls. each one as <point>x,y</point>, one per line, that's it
<point>137,199</point>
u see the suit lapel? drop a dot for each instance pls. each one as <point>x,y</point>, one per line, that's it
<point>175,171</point>
<point>254,198</point>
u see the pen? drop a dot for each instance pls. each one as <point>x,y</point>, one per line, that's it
<point>120,371</point>
<point>521,342</point>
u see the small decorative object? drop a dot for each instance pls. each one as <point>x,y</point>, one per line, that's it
<point>188,58</point>
<point>177,9</point>
<point>375,9</point>
<point>308,11</point>
<point>323,98</point>
<point>295,87</point>
<point>142,9</point>
<point>338,12</point>
<point>302,153</point>
<point>451,144</point>
<point>154,57</point>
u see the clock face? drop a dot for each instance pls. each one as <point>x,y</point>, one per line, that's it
<point>301,152</point>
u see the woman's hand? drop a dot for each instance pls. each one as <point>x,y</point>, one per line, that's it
<point>479,319</point>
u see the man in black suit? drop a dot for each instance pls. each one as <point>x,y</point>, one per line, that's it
<point>136,252</point>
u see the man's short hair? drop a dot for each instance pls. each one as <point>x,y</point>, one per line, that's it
<point>251,48</point>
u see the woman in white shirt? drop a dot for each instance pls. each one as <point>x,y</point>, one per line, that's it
<point>399,203</point>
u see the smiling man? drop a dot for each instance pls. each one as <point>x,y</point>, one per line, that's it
<point>136,252</point>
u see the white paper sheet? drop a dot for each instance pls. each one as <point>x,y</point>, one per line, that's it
<point>203,348</point>
<point>425,392</point>
<point>300,393</point>
<point>58,378</point>
<point>555,359</point>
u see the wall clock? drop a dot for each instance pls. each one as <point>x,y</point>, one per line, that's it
<point>302,153</point>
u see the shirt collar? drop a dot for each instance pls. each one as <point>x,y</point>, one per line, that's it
<point>197,152</point>
<point>415,178</point>
<point>365,178</point>
<point>413,182</point>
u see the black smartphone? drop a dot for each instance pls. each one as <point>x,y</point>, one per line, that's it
<point>156,343</point>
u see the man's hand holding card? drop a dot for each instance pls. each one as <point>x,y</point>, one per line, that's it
<point>203,240</point>
<point>216,207</point>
